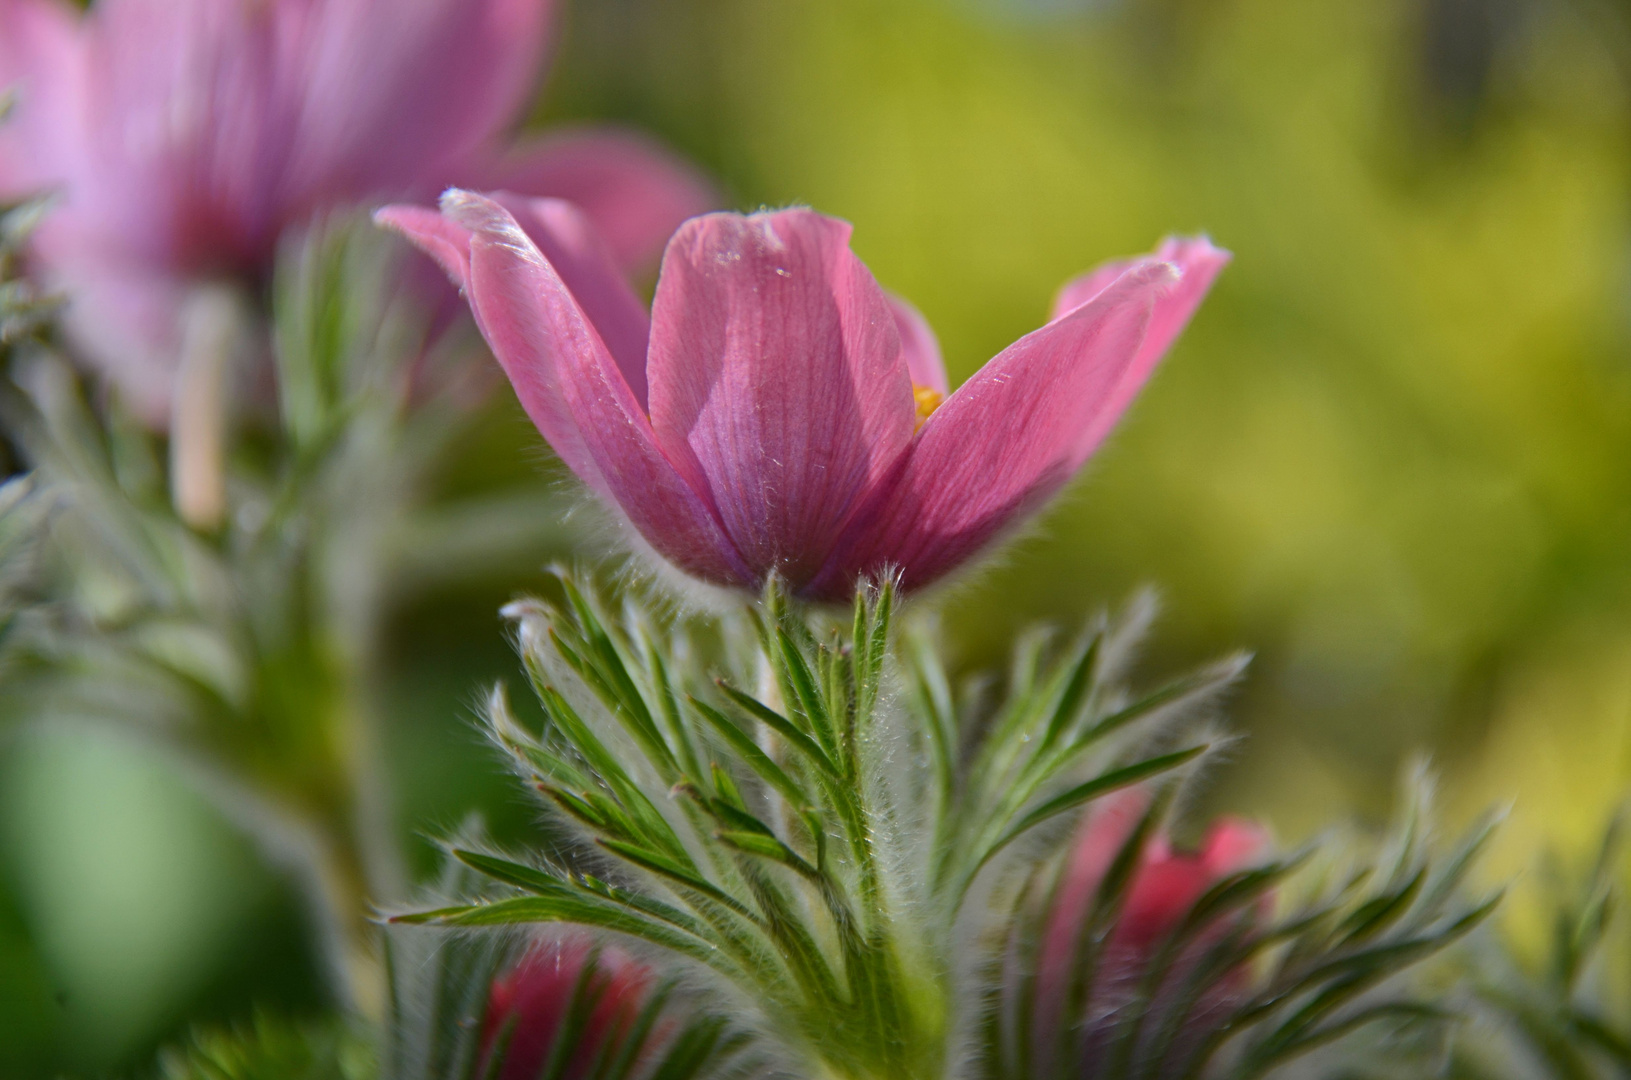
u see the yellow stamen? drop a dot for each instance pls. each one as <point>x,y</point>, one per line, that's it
<point>927,401</point>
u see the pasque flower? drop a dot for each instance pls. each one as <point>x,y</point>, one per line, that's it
<point>1116,962</point>
<point>777,411</point>
<point>529,1011</point>
<point>185,135</point>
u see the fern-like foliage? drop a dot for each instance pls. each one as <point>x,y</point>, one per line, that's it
<point>1231,986</point>
<point>563,1008</point>
<point>25,516</point>
<point>25,511</point>
<point>24,309</point>
<point>852,849</point>
<point>1567,1017</point>
<point>247,650</point>
<point>557,1005</point>
<point>228,648</point>
<point>267,1048</point>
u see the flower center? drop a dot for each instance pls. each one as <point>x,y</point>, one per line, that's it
<point>927,401</point>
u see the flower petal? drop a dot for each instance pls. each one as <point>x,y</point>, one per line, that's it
<point>634,191</point>
<point>39,61</point>
<point>1233,843</point>
<point>920,347</point>
<point>776,366</point>
<point>1199,263</point>
<point>440,237</point>
<point>402,95</point>
<point>1079,290</point>
<point>182,132</point>
<point>124,320</point>
<point>576,250</point>
<point>572,389</point>
<point>565,238</point>
<point>1006,440</point>
<point>213,126</point>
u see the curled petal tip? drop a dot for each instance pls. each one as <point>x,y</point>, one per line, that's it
<point>436,235</point>
<point>1191,251</point>
<point>455,197</point>
<point>488,219</point>
<point>474,211</point>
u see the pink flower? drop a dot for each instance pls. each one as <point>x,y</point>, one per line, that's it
<point>1163,889</point>
<point>185,135</point>
<point>528,1006</point>
<point>777,410</point>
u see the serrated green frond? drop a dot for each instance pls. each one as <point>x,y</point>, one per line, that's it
<point>761,818</point>
<point>1258,973</point>
<point>243,647</point>
<point>271,1049</point>
<point>1569,1016</point>
<point>25,312</point>
<point>474,1006</point>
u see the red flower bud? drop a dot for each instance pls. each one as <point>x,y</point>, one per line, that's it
<point>564,987</point>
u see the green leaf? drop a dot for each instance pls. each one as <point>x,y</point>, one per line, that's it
<point>565,907</point>
<point>1084,793</point>
<point>790,662</point>
<point>632,1042</point>
<point>1375,916</point>
<point>1073,694</point>
<point>797,739</point>
<point>566,1044</point>
<point>1295,1044</point>
<point>700,1046</point>
<point>511,873</point>
<point>755,758</point>
<point>668,868</point>
<point>271,1049</point>
<point>768,847</point>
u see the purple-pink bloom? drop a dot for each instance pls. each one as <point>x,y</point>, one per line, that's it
<point>185,135</point>
<point>777,411</point>
<point>1116,966</point>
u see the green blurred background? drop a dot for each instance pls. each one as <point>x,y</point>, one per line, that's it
<point>1392,456</point>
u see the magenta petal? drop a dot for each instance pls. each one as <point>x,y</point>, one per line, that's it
<point>40,62</point>
<point>401,97</point>
<point>920,347</point>
<point>776,366</point>
<point>1084,287</point>
<point>212,126</point>
<point>1006,440</point>
<point>1199,264</point>
<point>1233,843</point>
<point>574,392</point>
<point>125,320</point>
<point>634,191</point>
<point>575,249</point>
<point>444,240</point>
<point>183,132</point>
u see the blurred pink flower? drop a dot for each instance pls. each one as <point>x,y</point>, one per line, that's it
<point>1163,889</point>
<point>528,1006</point>
<point>777,411</point>
<point>185,135</point>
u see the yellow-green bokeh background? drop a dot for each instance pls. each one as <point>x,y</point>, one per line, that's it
<point>1392,456</point>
